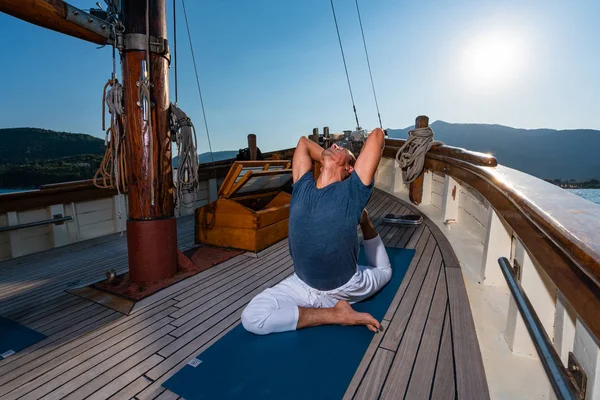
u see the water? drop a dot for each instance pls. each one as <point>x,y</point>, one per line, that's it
<point>3,191</point>
<point>592,195</point>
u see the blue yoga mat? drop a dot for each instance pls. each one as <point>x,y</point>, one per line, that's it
<point>312,363</point>
<point>15,337</point>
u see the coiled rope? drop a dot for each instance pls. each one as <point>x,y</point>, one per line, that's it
<point>112,173</point>
<point>187,165</point>
<point>411,156</point>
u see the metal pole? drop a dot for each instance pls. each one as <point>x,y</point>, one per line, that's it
<point>563,388</point>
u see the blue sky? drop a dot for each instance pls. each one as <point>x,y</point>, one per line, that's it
<point>273,67</point>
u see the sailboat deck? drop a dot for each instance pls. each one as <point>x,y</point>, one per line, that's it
<point>428,349</point>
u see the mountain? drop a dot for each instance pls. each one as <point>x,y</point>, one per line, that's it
<point>206,158</point>
<point>25,145</point>
<point>30,157</point>
<point>545,153</point>
<point>217,155</point>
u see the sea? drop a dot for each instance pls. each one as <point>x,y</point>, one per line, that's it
<point>3,191</point>
<point>592,195</point>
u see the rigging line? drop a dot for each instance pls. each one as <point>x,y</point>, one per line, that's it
<point>187,25</point>
<point>175,49</point>
<point>368,63</point>
<point>149,99</point>
<point>345,67</point>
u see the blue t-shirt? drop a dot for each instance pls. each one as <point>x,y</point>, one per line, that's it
<point>322,229</point>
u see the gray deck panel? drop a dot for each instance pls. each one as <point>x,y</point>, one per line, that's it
<point>160,337</point>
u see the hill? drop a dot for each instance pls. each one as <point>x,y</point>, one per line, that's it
<point>30,157</point>
<point>545,153</point>
<point>25,145</point>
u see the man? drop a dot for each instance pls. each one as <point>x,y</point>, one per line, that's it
<point>324,244</point>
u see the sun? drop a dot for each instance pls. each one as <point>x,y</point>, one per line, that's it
<point>492,59</point>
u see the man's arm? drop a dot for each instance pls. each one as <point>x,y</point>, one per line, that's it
<point>306,152</point>
<point>369,157</point>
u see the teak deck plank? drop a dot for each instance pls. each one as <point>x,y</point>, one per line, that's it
<point>470,374</point>
<point>425,363</point>
<point>399,374</point>
<point>443,381</point>
<point>93,352</point>
<point>376,374</point>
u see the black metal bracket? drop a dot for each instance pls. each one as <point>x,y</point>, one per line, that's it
<point>577,376</point>
<point>517,269</point>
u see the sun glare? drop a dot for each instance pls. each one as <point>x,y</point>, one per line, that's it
<point>492,59</point>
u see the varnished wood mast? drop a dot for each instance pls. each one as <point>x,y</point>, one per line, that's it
<point>152,236</point>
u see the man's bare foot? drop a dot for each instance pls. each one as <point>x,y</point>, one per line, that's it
<point>366,226</point>
<point>364,218</point>
<point>348,316</point>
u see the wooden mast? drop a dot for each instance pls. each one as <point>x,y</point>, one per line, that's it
<point>151,228</point>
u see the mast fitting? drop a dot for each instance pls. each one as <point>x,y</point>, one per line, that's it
<point>139,42</point>
<point>89,21</point>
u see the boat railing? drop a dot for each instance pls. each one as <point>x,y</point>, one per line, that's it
<point>557,228</point>
<point>58,219</point>
<point>567,383</point>
<point>490,211</point>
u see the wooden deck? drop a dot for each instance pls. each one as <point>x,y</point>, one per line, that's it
<point>428,349</point>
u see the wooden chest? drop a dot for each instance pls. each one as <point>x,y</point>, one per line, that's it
<point>252,210</point>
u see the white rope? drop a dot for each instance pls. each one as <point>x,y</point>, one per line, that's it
<point>114,102</point>
<point>411,156</point>
<point>187,165</point>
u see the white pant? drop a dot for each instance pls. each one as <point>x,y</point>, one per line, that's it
<point>276,308</point>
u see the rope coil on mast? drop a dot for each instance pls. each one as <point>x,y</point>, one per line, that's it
<point>187,165</point>
<point>411,156</point>
<point>112,172</point>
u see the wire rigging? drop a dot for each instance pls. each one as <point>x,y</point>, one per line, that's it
<point>187,25</point>
<point>175,50</point>
<point>368,63</point>
<point>345,66</point>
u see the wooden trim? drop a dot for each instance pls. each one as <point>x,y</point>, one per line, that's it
<point>237,185</point>
<point>271,215</point>
<point>571,267</point>
<point>272,172</point>
<point>473,157</point>
<point>261,163</point>
<point>415,190</point>
<point>43,198</point>
<point>233,173</point>
<point>258,194</point>
<point>84,182</point>
<point>51,14</point>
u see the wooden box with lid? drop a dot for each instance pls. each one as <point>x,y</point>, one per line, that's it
<point>252,210</point>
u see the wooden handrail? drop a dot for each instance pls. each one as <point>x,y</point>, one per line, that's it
<point>570,257</point>
<point>84,183</point>
<point>458,153</point>
<point>22,201</point>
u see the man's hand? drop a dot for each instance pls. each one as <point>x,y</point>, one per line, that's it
<point>369,157</point>
<point>306,152</point>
